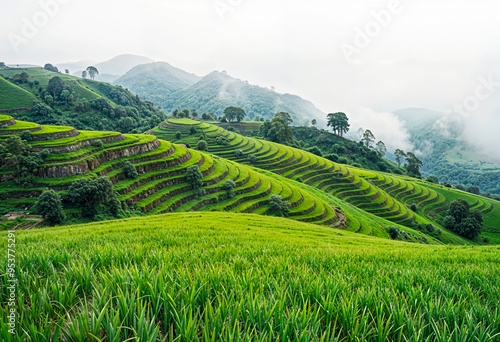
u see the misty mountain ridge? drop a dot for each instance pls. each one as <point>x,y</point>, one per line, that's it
<point>110,70</point>
<point>153,81</point>
<point>216,91</point>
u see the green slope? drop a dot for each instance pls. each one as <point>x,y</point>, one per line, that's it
<point>13,96</point>
<point>92,105</point>
<point>377,195</point>
<point>238,277</point>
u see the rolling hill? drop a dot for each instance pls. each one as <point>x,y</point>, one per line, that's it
<point>373,194</point>
<point>90,105</point>
<point>154,82</point>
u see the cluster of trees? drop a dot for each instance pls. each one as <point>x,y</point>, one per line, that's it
<point>59,103</point>
<point>232,113</point>
<point>338,122</point>
<point>463,221</point>
<point>413,163</point>
<point>16,155</point>
<point>186,113</point>
<point>94,197</point>
<point>278,129</point>
<point>194,178</point>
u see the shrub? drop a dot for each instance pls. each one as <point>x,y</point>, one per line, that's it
<point>202,145</point>
<point>394,232</point>
<point>222,141</point>
<point>343,160</point>
<point>278,207</point>
<point>238,153</point>
<point>5,126</point>
<point>228,187</point>
<point>333,157</point>
<point>486,240</point>
<point>449,222</point>
<point>252,159</point>
<point>430,228</point>
<point>178,135</point>
<point>44,153</point>
<point>299,180</point>
<point>231,129</point>
<point>315,150</point>
<point>98,143</point>
<point>194,176</point>
<point>439,232</point>
<point>414,207</point>
<point>192,130</point>
<point>26,135</point>
<point>130,170</point>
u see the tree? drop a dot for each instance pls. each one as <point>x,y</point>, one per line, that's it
<point>130,170</point>
<point>313,122</point>
<point>202,145</point>
<point>399,155</point>
<point>228,187</point>
<point>56,86</point>
<point>414,164</point>
<point>84,74</point>
<point>92,71</point>
<point>49,206</point>
<point>2,65</point>
<point>381,149</point>
<point>277,129</point>
<point>278,207</point>
<point>287,119</point>
<point>65,95</point>
<point>234,113</point>
<point>178,135</point>
<point>50,67</point>
<point>90,194</point>
<point>459,209</point>
<point>66,71</point>
<point>48,99</point>
<point>339,122</point>
<point>24,77</point>
<point>194,176</point>
<point>368,138</point>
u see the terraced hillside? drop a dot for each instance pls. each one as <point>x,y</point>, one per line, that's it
<point>382,195</point>
<point>51,98</point>
<point>161,186</point>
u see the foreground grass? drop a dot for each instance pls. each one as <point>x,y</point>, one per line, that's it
<point>237,277</point>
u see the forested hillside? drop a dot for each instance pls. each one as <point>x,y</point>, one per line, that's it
<point>46,97</point>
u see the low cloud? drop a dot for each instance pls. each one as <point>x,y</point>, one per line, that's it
<point>384,125</point>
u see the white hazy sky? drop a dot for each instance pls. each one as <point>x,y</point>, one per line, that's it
<point>427,53</point>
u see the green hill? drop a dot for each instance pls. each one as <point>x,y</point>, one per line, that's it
<point>376,194</point>
<point>88,105</point>
<point>240,277</point>
<point>12,96</point>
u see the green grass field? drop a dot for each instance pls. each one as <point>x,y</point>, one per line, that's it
<point>239,277</point>
<point>13,96</point>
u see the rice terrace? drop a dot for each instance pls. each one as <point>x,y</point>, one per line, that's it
<point>142,202</point>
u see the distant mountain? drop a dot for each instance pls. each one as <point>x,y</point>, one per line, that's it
<point>156,81</point>
<point>217,91</point>
<point>73,67</point>
<point>446,152</point>
<point>111,70</point>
